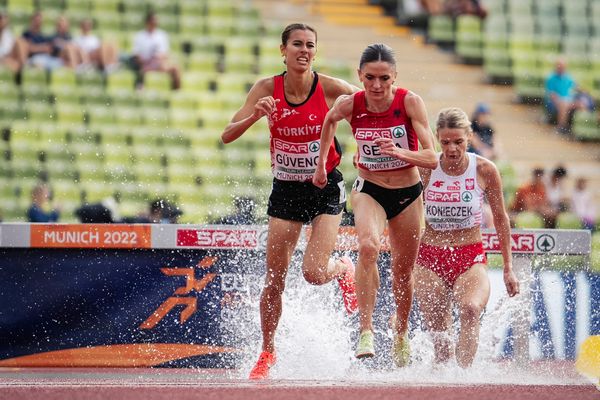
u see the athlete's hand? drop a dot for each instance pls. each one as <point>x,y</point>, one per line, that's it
<point>265,106</point>
<point>387,147</point>
<point>511,282</point>
<point>320,177</point>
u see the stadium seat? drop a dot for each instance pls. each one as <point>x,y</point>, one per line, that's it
<point>440,29</point>
<point>34,76</point>
<point>586,126</point>
<point>7,77</point>
<point>157,81</point>
<point>568,220</point>
<point>120,80</point>
<point>528,220</point>
<point>469,38</point>
<point>102,115</point>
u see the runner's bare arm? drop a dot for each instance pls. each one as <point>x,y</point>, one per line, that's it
<point>259,103</point>
<point>341,109</point>
<point>489,175</point>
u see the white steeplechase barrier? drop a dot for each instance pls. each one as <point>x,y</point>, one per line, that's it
<point>128,275</point>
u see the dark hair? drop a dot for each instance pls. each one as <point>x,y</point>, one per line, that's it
<point>538,171</point>
<point>285,35</point>
<point>149,15</point>
<point>377,52</point>
<point>559,172</point>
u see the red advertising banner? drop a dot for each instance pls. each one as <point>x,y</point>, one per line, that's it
<point>218,238</point>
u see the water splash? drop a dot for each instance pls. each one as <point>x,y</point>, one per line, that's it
<point>315,342</point>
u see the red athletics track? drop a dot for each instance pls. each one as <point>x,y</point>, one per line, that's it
<point>183,384</point>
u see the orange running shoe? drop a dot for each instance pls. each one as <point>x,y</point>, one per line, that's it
<point>261,370</point>
<point>346,281</point>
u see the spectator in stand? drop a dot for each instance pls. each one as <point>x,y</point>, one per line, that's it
<point>559,96</point>
<point>555,190</point>
<point>40,49</point>
<point>584,101</point>
<point>62,43</point>
<point>483,141</point>
<point>532,197</point>
<point>92,51</point>
<point>583,204</point>
<point>160,211</point>
<point>151,51</point>
<point>13,51</point>
<point>40,209</point>
<point>102,212</point>
<point>464,7</point>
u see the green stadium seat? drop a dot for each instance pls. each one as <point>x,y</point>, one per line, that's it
<point>441,29</point>
<point>586,126</point>
<point>220,26</point>
<point>191,25</point>
<point>127,116</point>
<point>109,6</point>
<point>270,65</point>
<point>7,77</point>
<point>82,135</point>
<point>156,117</point>
<point>235,83</point>
<point>184,119</point>
<point>96,191</point>
<point>220,8</point>
<point>93,96</point>
<point>34,76</point>
<point>52,133</point>
<point>519,7</point>
<point>120,80</point>
<point>469,38</point>
<point>62,77</point>
<point>248,26</point>
<point>206,62</point>
<point>528,220</point>
<point>60,169</point>
<point>192,8</point>
<point>182,100</point>
<point>568,220</point>
<point>102,115</point>
<point>136,7</point>
<point>40,111</point>
<point>25,6</point>
<point>91,80</point>
<point>133,22</point>
<point>74,6</point>
<point>240,63</point>
<point>149,173</point>
<point>124,97</point>
<point>157,81</point>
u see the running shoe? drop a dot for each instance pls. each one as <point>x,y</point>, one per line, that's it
<point>261,370</point>
<point>401,346</point>
<point>365,347</point>
<point>346,281</point>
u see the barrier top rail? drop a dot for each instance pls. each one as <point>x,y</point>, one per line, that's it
<point>249,237</point>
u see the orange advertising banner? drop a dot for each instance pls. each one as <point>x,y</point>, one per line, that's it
<point>99,236</point>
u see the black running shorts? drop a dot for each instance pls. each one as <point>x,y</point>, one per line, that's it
<point>303,201</point>
<point>393,201</point>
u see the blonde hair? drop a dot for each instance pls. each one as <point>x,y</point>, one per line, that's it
<point>453,118</point>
